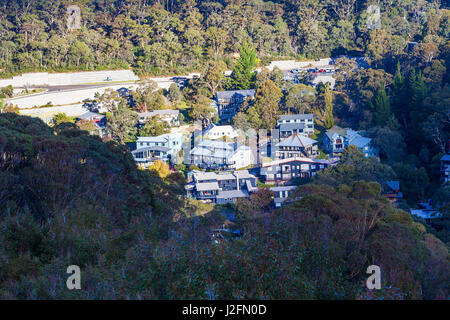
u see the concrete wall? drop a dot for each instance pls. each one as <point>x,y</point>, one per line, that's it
<point>47,114</point>
<point>63,97</point>
<point>69,78</point>
<point>292,64</point>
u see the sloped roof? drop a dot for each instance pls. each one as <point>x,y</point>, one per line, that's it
<point>357,140</point>
<point>162,138</point>
<point>227,95</point>
<point>296,116</point>
<point>221,129</point>
<point>206,186</point>
<point>198,151</point>
<point>216,144</point>
<point>336,129</point>
<point>222,176</point>
<point>153,148</point>
<point>296,140</point>
<point>299,159</point>
<point>232,194</point>
<point>89,115</point>
<point>394,185</point>
<point>291,126</point>
<point>283,188</point>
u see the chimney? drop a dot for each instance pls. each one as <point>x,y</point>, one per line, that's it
<point>237,180</point>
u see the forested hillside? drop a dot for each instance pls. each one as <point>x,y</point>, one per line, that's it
<point>69,198</point>
<point>172,36</point>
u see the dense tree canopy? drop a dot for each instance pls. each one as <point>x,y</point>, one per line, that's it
<point>160,37</point>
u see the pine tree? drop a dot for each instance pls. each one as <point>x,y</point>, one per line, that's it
<point>381,107</point>
<point>243,76</point>
<point>398,92</point>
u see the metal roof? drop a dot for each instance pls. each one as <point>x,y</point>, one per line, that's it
<point>152,148</point>
<point>227,95</point>
<point>296,140</point>
<point>291,126</point>
<point>296,116</point>
<point>206,186</point>
<point>284,188</point>
<point>232,194</point>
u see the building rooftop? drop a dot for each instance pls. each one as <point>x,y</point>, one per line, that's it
<point>89,115</point>
<point>227,95</point>
<point>300,159</point>
<point>153,148</point>
<point>232,194</point>
<point>393,185</point>
<point>296,116</point>
<point>216,144</point>
<point>206,186</point>
<point>336,130</point>
<point>243,174</point>
<point>291,126</point>
<point>283,188</point>
<point>296,140</point>
<point>161,138</point>
<point>220,129</point>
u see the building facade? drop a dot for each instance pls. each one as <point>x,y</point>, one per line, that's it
<point>296,146</point>
<point>337,139</point>
<point>228,103</point>
<point>282,171</point>
<point>168,115</point>
<point>164,147</point>
<point>295,123</point>
<point>214,132</point>
<point>445,168</point>
<point>223,187</point>
<point>218,154</point>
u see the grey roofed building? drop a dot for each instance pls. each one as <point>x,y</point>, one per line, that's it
<point>220,187</point>
<point>285,118</point>
<point>150,154</point>
<point>204,186</point>
<point>283,170</point>
<point>445,168</point>
<point>168,115</point>
<point>217,154</point>
<point>296,146</point>
<point>288,124</point>
<point>230,196</point>
<point>147,151</point>
<point>336,130</point>
<point>297,141</point>
<point>336,139</point>
<point>91,116</point>
<point>394,185</point>
<point>226,96</point>
<point>288,129</point>
<point>153,148</point>
<point>228,103</point>
<point>281,194</point>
